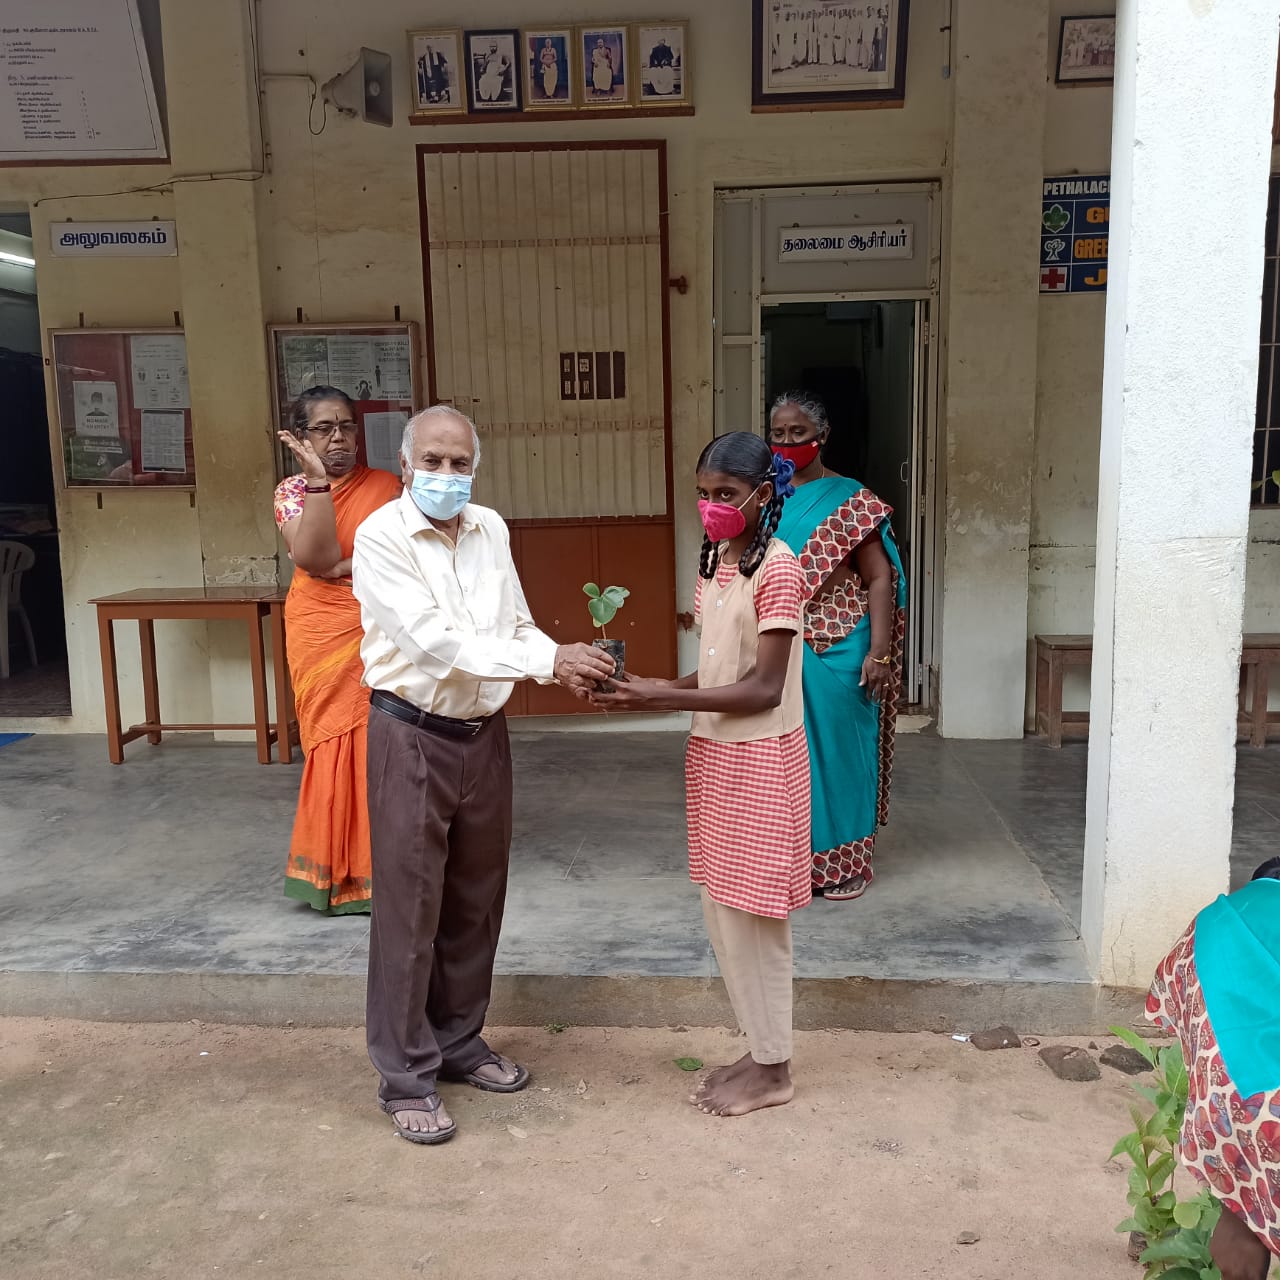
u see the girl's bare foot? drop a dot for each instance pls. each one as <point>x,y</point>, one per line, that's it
<point>753,1087</point>
<point>721,1074</point>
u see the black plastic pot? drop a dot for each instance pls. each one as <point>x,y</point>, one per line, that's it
<point>617,650</point>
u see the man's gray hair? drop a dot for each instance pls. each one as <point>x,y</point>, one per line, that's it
<point>441,410</point>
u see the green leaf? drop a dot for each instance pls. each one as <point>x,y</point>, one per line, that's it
<point>1161,1170</point>
<point>1135,1041</point>
<point>1129,1224</point>
<point>615,596</point>
<point>1167,1202</point>
<point>602,610</point>
<point>1187,1214</point>
<point>689,1064</point>
<point>592,590</point>
<point>1129,1145</point>
<point>1171,1249</point>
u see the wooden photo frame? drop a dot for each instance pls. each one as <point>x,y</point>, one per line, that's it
<point>377,365</point>
<point>1086,50</point>
<point>436,70</point>
<point>123,408</point>
<point>493,70</point>
<point>550,69</point>
<point>661,60</point>
<point>604,66</point>
<point>811,55</point>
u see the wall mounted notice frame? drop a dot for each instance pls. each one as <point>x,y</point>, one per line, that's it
<point>124,408</point>
<point>75,84</point>
<point>377,365</point>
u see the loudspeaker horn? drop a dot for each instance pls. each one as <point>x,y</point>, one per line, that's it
<point>364,89</point>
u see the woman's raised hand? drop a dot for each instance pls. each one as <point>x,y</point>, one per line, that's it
<point>308,458</point>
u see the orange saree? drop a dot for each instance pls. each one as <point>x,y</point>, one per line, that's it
<point>329,863</point>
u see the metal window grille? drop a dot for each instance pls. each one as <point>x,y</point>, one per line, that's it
<point>1266,435</point>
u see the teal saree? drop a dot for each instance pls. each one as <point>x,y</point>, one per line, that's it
<point>851,738</point>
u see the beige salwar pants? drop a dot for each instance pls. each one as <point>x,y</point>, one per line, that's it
<point>754,954</point>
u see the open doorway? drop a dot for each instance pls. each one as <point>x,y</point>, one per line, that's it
<point>33,630</point>
<point>861,360</point>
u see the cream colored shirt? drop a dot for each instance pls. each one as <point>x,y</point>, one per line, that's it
<point>445,627</point>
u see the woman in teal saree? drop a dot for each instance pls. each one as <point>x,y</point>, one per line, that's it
<point>855,625</point>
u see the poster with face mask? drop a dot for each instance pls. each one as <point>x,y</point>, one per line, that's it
<point>97,409</point>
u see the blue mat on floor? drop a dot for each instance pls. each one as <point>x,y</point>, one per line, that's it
<point>6,738</point>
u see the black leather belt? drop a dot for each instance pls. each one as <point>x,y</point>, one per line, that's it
<point>406,711</point>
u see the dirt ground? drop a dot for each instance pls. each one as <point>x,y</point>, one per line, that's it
<point>200,1151</point>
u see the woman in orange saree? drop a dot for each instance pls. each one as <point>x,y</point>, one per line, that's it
<point>318,513</point>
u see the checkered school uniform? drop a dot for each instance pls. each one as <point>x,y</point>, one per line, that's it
<point>747,776</point>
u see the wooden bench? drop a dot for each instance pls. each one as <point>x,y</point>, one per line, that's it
<point>1054,654</point>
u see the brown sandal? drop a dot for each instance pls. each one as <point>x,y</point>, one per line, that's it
<point>430,1104</point>
<point>489,1086</point>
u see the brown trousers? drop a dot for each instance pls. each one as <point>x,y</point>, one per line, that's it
<point>440,829</point>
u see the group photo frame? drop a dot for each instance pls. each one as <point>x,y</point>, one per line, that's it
<point>1086,50</point>
<point>436,66</point>
<point>815,54</point>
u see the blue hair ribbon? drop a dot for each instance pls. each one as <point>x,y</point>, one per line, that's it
<point>783,470</point>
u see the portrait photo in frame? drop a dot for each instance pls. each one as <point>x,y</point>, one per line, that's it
<point>493,70</point>
<point>604,72</point>
<point>549,78</point>
<point>1086,50</point>
<point>435,62</point>
<point>811,54</point>
<point>662,62</point>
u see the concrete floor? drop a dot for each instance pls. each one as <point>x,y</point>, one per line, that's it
<point>172,863</point>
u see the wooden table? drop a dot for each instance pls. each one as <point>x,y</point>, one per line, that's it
<point>1259,652</point>
<point>248,605</point>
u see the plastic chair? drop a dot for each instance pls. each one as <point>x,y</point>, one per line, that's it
<point>15,560</point>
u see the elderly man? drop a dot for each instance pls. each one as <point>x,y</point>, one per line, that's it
<point>447,633</point>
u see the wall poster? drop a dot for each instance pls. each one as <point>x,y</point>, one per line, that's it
<point>1075,221</point>
<point>124,407</point>
<point>376,365</point>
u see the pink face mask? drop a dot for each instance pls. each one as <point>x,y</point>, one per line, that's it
<point>721,521</point>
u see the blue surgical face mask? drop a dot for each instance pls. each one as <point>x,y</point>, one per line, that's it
<point>439,496</point>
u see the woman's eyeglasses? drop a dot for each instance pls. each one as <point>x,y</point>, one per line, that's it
<point>322,430</point>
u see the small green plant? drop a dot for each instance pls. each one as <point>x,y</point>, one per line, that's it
<point>556,1028</point>
<point>1274,477</point>
<point>1176,1231</point>
<point>604,605</point>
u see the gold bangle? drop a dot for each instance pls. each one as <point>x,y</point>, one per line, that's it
<point>882,662</point>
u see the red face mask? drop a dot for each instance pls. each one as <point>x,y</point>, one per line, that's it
<point>801,454</point>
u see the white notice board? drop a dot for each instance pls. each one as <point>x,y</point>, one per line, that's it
<point>75,83</point>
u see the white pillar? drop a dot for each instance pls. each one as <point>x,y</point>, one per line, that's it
<point>992,307</point>
<point>1191,149</point>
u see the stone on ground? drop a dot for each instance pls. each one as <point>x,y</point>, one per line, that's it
<point>996,1038</point>
<point>1125,1059</point>
<point>1068,1062</point>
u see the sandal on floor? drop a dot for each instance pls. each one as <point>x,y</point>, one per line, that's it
<point>845,892</point>
<point>489,1086</point>
<point>429,1104</point>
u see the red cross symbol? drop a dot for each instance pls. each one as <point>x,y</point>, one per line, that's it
<point>1053,281</point>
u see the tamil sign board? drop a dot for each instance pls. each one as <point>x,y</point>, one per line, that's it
<point>1075,221</point>
<point>855,243</point>
<point>113,239</point>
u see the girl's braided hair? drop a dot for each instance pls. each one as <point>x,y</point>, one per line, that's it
<point>747,457</point>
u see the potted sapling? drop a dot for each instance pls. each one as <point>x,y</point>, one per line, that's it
<point>604,606</point>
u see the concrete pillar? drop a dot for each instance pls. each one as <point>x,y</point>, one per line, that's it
<point>1191,149</point>
<point>990,363</point>
<point>213,126</point>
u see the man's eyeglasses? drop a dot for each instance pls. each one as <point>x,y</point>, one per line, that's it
<point>322,430</point>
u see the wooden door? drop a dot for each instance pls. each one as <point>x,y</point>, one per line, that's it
<point>545,269</point>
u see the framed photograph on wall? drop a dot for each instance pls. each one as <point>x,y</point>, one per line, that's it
<point>493,70</point>
<point>808,55</point>
<point>548,68</point>
<point>605,68</point>
<point>435,60</point>
<point>662,59</point>
<point>1087,50</point>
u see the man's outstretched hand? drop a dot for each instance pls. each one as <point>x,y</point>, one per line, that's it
<point>581,666</point>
